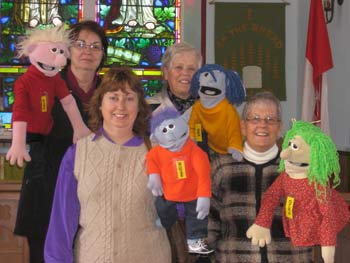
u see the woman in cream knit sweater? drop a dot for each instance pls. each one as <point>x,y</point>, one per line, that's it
<point>102,206</point>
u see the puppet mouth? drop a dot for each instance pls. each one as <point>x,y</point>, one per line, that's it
<point>210,91</point>
<point>46,67</point>
<point>299,164</point>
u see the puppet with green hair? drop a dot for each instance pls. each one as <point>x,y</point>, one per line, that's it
<point>313,212</point>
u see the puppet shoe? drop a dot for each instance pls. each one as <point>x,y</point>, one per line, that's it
<point>198,246</point>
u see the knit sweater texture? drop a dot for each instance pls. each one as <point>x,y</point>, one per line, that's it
<point>117,217</point>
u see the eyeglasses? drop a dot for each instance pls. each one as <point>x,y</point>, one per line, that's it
<point>80,44</point>
<point>268,120</point>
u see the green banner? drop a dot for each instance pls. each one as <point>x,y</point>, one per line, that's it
<point>250,39</point>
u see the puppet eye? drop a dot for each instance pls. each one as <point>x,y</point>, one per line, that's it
<point>168,128</point>
<point>293,146</point>
<point>61,51</point>
<point>54,50</point>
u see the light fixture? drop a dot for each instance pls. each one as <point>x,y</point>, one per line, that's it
<point>328,6</point>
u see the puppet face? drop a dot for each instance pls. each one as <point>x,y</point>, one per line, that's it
<point>48,57</point>
<point>296,157</point>
<point>212,88</point>
<point>172,134</point>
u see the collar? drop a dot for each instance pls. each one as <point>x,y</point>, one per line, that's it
<point>180,104</point>
<point>259,157</point>
<point>134,141</point>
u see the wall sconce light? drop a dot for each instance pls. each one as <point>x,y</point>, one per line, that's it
<point>328,6</point>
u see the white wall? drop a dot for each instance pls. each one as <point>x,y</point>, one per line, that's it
<point>339,77</point>
<point>293,49</point>
<point>297,13</point>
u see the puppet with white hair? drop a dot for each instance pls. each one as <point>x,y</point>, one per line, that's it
<point>36,89</point>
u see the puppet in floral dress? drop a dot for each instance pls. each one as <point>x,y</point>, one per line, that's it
<point>313,211</point>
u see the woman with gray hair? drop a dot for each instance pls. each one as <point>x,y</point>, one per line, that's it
<point>180,61</point>
<point>237,189</point>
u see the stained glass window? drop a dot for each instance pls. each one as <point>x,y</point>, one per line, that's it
<point>139,31</point>
<point>16,17</point>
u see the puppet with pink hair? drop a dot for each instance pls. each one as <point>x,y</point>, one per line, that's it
<point>36,90</point>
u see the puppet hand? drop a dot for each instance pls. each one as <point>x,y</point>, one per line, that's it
<point>237,155</point>
<point>203,205</point>
<point>260,235</point>
<point>18,151</point>
<point>79,127</point>
<point>328,254</point>
<point>155,184</point>
<point>80,132</point>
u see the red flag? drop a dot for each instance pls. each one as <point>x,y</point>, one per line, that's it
<point>318,62</point>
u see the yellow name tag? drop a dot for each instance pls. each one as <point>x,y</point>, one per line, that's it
<point>289,207</point>
<point>198,132</point>
<point>180,169</point>
<point>44,103</point>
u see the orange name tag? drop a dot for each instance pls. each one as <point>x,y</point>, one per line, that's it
<point>289,207</point>
<point>180,169</point>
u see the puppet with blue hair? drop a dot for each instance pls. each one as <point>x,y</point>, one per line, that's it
<point>179,172</point>
<point>313,212</point>
<point>214,114</point>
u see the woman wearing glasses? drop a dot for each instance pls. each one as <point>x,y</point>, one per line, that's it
<point>237,188</point>
<point>88,51</point>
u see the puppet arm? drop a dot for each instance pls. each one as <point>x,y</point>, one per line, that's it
<point>18,151</point>
<point>193,120</point>
<point>234,135</point>
<point>260,235</point>
<point>202,208</point>
<point>79,127</point>
<point>155,184</point>
<point>328,253</point>
<point>260,231</point>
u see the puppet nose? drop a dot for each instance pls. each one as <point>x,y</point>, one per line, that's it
<point>60,60</point>
<point>286,153</point>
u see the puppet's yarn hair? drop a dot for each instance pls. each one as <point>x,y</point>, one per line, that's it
<point>324,159</point>
<point>160,116</point>
<point>235,90</point>
<point>54,34</point>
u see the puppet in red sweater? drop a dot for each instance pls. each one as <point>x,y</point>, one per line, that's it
<point>313,211</point>
<point>179,172</point>
<point>36,89</point>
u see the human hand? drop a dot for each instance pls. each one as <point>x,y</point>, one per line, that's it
<point>155,184</point>
<point>237,155</point>
<point>260,235</point>
<point>203,205</point>
<point>328,253</point>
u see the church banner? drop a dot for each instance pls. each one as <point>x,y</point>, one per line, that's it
<point>250,39</point>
